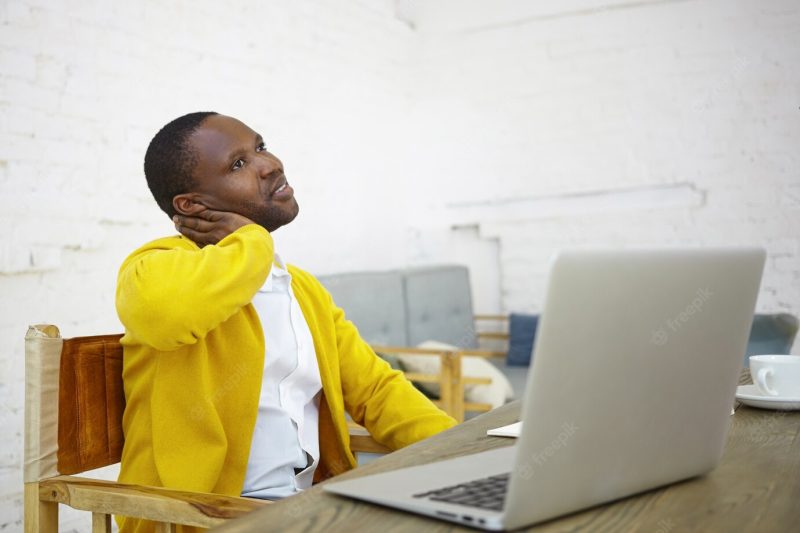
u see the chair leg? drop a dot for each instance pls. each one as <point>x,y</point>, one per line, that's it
<point>452,389</point>
<point>101,523</point>
<point>40,517</point>
<point>165,527</point>
<point>457,386</point>
<point>445,380</point>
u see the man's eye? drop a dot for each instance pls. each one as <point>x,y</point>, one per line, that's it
<point>239,163</point>
<point>261,147</point>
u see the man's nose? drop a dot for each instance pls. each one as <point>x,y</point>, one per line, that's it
<point>267,164</point>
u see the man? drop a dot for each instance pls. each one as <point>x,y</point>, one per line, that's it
<point>238,369</point>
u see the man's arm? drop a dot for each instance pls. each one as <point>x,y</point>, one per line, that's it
<point>381,399</point>
<point>169,295</point>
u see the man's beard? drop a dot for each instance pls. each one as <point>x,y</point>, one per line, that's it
<point>270,217</point>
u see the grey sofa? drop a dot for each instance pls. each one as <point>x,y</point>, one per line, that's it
<point>397,310</point>
<point>409,306</point>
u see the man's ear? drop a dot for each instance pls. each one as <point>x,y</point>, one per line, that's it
<point>188,204</point>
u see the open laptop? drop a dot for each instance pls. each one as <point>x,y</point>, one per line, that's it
<point>636,364</point>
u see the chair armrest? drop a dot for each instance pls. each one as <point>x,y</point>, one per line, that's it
<point>150,503</point>
<point>409,350</point>
<point>362,441</point>
<point>499,318</point>
<point>496,335</point>
<point>166,505</point>
<point>482,353</point>
<point>435,351</point>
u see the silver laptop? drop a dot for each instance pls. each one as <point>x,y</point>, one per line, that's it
<point>636,364</point>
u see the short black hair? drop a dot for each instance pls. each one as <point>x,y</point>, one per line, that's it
<point>169,161</point>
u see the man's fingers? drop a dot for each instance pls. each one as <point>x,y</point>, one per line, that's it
<point>208,214</point>
<point>191,222</point>
<point>182,222</point>
<point>208,226</point>
<point>198,234</point>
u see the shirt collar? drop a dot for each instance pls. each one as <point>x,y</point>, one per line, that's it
<point>278,270</point>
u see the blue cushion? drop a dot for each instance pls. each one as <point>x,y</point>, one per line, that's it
<point>521,334</point>
<point>771,334</point>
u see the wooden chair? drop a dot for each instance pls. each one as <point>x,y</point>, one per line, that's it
<point>497,333</point>
<point>450,378</point>
<point>60,371</point>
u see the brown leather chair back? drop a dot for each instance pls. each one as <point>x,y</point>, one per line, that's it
<point>90,405</point>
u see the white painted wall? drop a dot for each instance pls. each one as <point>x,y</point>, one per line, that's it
<point>682,115</point>
<point>619,123</point>
<point>84,87</point>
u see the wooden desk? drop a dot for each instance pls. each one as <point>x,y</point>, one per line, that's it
<point>755,488</point>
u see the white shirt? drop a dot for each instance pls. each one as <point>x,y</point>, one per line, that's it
<point>285,449</point>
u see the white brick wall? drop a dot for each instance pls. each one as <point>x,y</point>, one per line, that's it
<point>384,129</point>
<point>85,85</point>
<point>531,103</point>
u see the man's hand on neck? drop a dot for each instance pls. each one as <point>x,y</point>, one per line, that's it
<point>209,226</point>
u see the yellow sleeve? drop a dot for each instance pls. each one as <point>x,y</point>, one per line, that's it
<point>381,399</point>
<point>172,293</point>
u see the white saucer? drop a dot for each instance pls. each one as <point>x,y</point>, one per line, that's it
<point>750,395</point>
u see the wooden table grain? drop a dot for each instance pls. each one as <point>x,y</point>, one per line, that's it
<point>756,487</point>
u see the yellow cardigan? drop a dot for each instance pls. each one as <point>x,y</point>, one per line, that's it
<point>194,358</point>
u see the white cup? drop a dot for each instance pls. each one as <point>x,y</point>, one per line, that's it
<point>776,375</point>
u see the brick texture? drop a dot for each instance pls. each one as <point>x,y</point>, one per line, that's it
<point>598,98</point>
<point>85,85</point>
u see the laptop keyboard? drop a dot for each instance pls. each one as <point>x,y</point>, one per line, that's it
<point>487,493</point>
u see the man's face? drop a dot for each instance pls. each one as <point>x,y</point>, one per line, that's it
<point>235,172</point>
